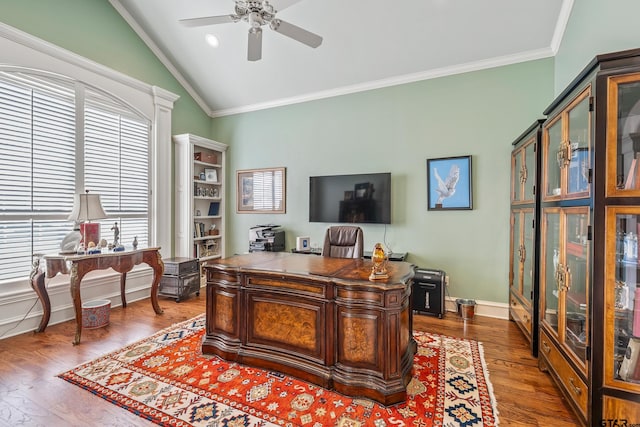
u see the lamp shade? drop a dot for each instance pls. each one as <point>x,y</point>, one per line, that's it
<point>87,207</point>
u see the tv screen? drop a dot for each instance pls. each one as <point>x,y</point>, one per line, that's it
<point>360,198</point>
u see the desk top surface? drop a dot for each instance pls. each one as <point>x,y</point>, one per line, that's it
<point>104,253</point>
<point>333,269</point>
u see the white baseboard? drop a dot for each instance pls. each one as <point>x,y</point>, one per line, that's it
<point>497,310</point>
<point>21,312</point>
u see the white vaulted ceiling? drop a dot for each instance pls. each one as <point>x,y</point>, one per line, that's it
<point>366,44</point>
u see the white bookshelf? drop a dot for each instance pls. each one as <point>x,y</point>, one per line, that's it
<point>197,197</point>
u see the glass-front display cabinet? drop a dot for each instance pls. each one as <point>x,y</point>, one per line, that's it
<point>523,289</point>
<point>621,330</point>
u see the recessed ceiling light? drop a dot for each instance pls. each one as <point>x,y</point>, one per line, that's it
<point>212,40</point>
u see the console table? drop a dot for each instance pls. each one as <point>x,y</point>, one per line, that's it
<point>80,265</point>
<point>317,318</point>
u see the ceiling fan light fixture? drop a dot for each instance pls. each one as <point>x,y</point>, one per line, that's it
<point>212,40</point>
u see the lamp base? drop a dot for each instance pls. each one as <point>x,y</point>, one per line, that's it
<point>378,276</point>
<point>90,231</point>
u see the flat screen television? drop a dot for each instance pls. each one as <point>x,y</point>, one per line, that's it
<point>358,198</point>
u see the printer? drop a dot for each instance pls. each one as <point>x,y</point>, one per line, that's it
<point>269,238</point>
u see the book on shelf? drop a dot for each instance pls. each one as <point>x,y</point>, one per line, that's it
<point>199,229</point>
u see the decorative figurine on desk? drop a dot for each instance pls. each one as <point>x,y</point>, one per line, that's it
<point>135,243</point>
<point>379,268</point>
<point>69,244</point>
<point>116,233</point>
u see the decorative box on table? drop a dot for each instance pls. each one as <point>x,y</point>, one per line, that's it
<point>181,278</point>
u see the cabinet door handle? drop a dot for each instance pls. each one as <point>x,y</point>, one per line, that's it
<point>577,390</point>
<point>523,174</point>
<point>546,347</point>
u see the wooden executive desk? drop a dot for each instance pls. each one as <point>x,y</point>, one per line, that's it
<point>316,318</point>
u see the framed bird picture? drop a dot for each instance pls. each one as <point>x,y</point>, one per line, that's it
<point>449,184</point>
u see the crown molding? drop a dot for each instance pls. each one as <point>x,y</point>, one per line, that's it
<point>393,81</point>
<point>561,25</point>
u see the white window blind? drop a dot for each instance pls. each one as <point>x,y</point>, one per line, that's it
<point>39,143</point>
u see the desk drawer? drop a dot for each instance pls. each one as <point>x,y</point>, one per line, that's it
<point>575,388</point>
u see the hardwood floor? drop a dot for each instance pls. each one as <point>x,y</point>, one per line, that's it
<point>32,395</point>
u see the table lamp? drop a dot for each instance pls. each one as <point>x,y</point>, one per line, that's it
<point>86,208</point>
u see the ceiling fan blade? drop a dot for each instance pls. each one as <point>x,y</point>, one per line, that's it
<point>208,20</point>
<point>254,51</point>
<point>296,33</point>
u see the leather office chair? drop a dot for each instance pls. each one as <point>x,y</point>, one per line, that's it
<point>343,241</point>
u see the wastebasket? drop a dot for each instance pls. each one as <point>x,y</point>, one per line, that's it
<point>466,308</point>
<point>95,314</point>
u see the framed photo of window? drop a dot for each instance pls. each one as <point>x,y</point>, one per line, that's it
<point>449,185</point>
<point>261,190</point>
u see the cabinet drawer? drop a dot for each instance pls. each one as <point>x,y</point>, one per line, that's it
<point>520,314</point>
<point>576,388</point>
<point>174,286</point>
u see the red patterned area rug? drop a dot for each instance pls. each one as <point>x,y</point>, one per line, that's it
<point>166,379</point>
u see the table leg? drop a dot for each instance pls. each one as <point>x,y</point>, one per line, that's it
<point>38,285</point>
<point>123,281</point>
<point>158,268</point>
<point>77,302</point>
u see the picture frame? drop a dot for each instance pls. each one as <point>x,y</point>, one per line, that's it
<point>449,183</point>
<point>261,190</point>
<point>211,175</point>
<point>362,190</point>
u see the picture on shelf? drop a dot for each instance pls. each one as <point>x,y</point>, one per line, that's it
<point>211,175</point>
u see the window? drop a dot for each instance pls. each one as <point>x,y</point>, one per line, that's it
<point>59,137</point>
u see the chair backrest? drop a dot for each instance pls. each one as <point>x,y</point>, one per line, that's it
<point>343,241</point>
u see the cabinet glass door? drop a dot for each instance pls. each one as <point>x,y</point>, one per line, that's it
<point>516,249</point>
<point>517,175</point>
<point>576,260</point>
<point>527,258</point>
<point>553,164</point>
<point>551,268</point>
<point>530,170</point>
<point>578,125</point>
<point>565,277</point>
<point>522,246</point>
<point>622,299</point>
<point>567,151</point>
<point>623,135</point>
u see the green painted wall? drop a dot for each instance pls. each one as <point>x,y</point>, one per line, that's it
<point>595,27</point>
<point>95,30</point>
<point>396,130</point>
<point>393,129</point>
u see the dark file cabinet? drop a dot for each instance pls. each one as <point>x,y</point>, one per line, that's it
<point>181,277</point>
<point>428,291</point>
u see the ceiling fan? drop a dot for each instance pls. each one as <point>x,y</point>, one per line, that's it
<point>258,14</point>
